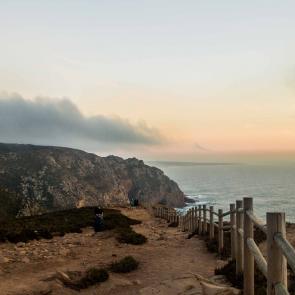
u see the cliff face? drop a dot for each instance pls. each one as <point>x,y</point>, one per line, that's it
<point>52,178</point>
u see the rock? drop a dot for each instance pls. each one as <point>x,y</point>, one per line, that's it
<point>137,282</point>
<point>64,252</point>
<point>25,260</point>
<point>21,244</point>
<point>74,178</point>
<point>4,259</point>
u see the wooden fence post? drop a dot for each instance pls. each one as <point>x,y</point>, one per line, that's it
<point>239,242</point>
<point>211,226</point>
<point>204,219</point>
<point>276,264</point>
<point>200,221</point>
<point>220,231</point>
<point>193,219</point>
<point>189,219</point>
<point>182,222</point>
<point>233,230</point>
<point>248,257</point>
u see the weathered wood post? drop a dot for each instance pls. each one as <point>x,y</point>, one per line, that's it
<point>211,226</point>
<point>200,221</point>
<point>220,231</point>
<point>196,219</point>
<point>189,220</point>
<point>233,230</point>
<point>204,219</point>
<point>276,265</point>
<point>239,242</point>
<point>248,257</point>
<point>193,219</point>
<point>182,222</point>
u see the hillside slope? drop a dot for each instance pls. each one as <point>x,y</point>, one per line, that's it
<point>50,178</point>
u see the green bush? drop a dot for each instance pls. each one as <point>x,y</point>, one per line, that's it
<point>229,271</point>
<point>129,236</point>
<point>92,277</point>
<point>127,264</point>
<point>173,224</point>
<point>58,223</point>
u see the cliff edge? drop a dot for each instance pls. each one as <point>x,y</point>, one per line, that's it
<point>52,178</point>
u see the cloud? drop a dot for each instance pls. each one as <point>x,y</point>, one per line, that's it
<point>60,122</point>
<point>199,147</point>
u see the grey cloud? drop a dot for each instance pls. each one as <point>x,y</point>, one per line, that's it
<point>60,122</point>
<point>199,147</point>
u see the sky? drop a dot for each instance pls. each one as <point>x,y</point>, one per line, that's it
<point>159,80</point>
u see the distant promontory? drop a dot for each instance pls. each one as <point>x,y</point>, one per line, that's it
<point>50,178</point>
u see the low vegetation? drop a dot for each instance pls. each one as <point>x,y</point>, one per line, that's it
<point>173,224</point>
<point>77,280</point>
<point>127,264</point>
<point>92,277</point>
<point>59,223</point>
<point>128,236</point>
<point>229,269</point>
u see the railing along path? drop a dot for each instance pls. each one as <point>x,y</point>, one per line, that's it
<point>244,250</point>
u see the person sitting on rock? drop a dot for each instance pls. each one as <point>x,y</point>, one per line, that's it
<point>98,221</point>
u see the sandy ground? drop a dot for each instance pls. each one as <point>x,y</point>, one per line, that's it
<point>167,261</point>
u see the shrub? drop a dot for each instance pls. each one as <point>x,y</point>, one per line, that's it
<point>229,271</point>
<point>92,277</point>
<point>59,223</point>
<point>129,236</point>
<point>127,264</point>
<point>173,224</point>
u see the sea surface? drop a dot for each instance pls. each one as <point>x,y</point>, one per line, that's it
<point>271,186</point>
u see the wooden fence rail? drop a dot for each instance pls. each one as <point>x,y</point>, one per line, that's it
<point>244,250</point>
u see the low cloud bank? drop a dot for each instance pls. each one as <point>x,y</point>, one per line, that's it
<point>60,122</point>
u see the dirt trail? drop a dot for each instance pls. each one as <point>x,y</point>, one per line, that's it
<point>166,261</point>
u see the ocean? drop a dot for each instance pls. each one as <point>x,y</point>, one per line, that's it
<point>271,186</point>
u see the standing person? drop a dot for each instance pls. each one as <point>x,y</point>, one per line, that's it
<point>98,220</point>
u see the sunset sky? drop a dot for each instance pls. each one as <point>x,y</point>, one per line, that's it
<point>168,80</point>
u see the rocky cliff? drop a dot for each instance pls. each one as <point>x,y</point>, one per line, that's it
<point>50,178</point>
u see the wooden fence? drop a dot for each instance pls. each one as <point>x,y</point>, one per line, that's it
<point>244,250</point>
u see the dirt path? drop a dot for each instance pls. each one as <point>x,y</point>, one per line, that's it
<point>166,261</point>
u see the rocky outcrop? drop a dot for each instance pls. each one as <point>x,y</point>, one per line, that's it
<point>50,178</point>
